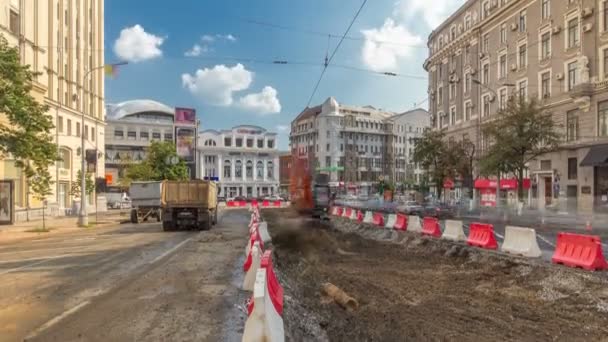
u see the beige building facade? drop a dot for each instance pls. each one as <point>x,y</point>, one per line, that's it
<point>61,40</point>
<point>554,50</point>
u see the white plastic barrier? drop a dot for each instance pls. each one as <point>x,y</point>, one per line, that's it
<point>264,324</point>
<point>344,212</point>
<point>369,217</point>
<point>521,241</point>
<point>453,231</point>
<point>413,224</point>
<point>334,211</point>
<point>390,222</point>
<point>253,263</point>
<point>263,231</point>
<point>353,214</point>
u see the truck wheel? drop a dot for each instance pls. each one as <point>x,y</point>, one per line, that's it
<point>167,226</point>
<point>214,217</point>
<point>134,216</point>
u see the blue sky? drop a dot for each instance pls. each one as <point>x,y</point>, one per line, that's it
<point>158,39</point>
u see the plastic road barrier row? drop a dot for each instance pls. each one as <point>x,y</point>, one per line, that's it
<point>353,215</point>
<point>251,266</point>
<point>482,235</point>
<point>369,217</point>
<point>401,222</point>
<point>521,241</point>
<point>263,231</point>
<point>413,224</point>
<point>453,231</point>
<point>360,216</point>
<point>378,219</point>
<point>576,250</point>
<point>390,221</point>
<point>347,212</point>
<point>255,236</point>
<point>430,227</point>
<point>264,322</point>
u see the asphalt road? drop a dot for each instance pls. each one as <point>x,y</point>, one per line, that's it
<point>125,283</point>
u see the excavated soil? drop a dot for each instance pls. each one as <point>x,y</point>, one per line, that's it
<point>411,288</point>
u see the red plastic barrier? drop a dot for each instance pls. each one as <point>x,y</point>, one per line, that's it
<point>274,288</point>
<point>277,204</point>
<point>360,216</point>
<point>255,237</point>
<point>378,219</point>
<point>482,235</point>
<point>254,203</point>
<point>577,250</point>
<point>242,203</point>
<point>348,212</point>
<point>401,222</point>
<point>265,203</point>
<point>430,226</point>
<point>339,211</point>
<point>231,204</point>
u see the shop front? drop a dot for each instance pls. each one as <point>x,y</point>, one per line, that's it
<point>487,189</point>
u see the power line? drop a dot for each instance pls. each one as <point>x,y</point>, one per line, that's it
<point>314,91</point>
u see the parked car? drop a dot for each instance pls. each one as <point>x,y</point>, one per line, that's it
<point>411,208</point>
<point>221,199</point>
<point>439,210</point>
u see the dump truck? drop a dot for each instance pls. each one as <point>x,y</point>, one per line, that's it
<point>190,204</point>
<point>145,201</point>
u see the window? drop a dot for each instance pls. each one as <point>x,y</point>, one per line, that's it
<point>69,124</point>
<point>156,135</point>
<point>502,66</point>
<point>467,54</point>
<point>453,33</point>
<point>14,22</point>
<point>486,43</point>
<point>144,135</point>
<point>545,165</point>
<point>260,143</point>
<point>502,98</point>
<point>467,22</point>
<point>440,96</point>
<point>270,170</point>
<point>227,169</point>
<point>250,143</point>
<point>605,62</point>
<point>227,142</point>
<point>485,12</point>
<point>523,89</point>
<point>328,161</point>
<point>572,70</point>
<point>486,74</point>
<point>453,116</point>
<point>249,169</point>
<point>545,45</point>
<point>59,124</point>
<point>503,34</point>
<point>605,14</point>
<point>522,21</point>
<point>571,125</point>
<point>572,168</point>
<point>78,129</point>
<point>545,8</point>
<point>65,156</point>
<point>573,34</point>
<point>467,83</point>
<point>327,148</point>
<point>523,56</point>
<point>486,105</point>
<point>545,84</point>
<point>270,143</point>
<point>239,142</point>
<point>452,91</point>
<point>238,169</point>
<point>468,111</point>
<point>602,117</point>
<point>92,133</point>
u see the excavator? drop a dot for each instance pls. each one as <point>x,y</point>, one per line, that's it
<point>310,193</point>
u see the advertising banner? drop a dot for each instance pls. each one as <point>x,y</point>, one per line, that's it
<point>185,116</point>
<point>185,142</point>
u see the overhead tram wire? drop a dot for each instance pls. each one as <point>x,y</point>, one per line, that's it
<point>314,91</point>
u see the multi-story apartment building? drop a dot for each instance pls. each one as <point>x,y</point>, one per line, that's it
<point>285,164</point>
<point>131,127</point>
<point>553,50</point>
<point>356,146</point>
<point>62,40</point>
<point>244,160</point>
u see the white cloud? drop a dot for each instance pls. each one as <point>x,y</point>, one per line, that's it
<point>282,128</point>
<point>227,37</point>
<point>384,46</point>
<point>431,12</point>
<point>135,45</point>
<point>207,38</point>
<point>216,86</point>
<point>196,51</point>
<point>264,102</point>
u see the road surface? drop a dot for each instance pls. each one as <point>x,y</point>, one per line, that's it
<point>126,283</point>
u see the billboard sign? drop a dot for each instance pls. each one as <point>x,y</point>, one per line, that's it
<point>185,142</point>
<point>185,116</point>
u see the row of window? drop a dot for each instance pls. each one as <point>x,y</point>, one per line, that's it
<point>238,169</point>
<point>119,134</point>
<point>67,129</point>
<point>372,163</point>
<point>249,142</point>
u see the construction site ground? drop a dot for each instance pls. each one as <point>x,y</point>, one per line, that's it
<point>413,288</point>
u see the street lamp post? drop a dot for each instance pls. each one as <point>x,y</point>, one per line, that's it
<point>83,217</point>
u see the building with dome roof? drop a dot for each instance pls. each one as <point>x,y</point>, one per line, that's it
<point>131,127</point>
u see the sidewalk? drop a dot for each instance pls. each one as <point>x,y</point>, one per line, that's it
<point>59,225</point>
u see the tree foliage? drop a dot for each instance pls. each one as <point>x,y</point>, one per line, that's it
<point>89,184</point>
<point>433,154</point>
<point>157,165</point>
<point>521,132</point>
<point>25,134</point>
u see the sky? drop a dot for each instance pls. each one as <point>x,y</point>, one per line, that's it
<point>219,56</point>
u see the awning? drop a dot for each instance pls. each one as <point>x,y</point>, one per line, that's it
<point>505,184</point>
<point>597,156</point>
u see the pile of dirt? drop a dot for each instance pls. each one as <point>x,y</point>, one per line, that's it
<point>414,288</point>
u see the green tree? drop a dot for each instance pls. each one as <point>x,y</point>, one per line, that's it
<point>25,135</point>
<point>463,154</point>
<point>89,184</point>
<point>521,132</point>
<point>434,155</point>
<point>158,164</point>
